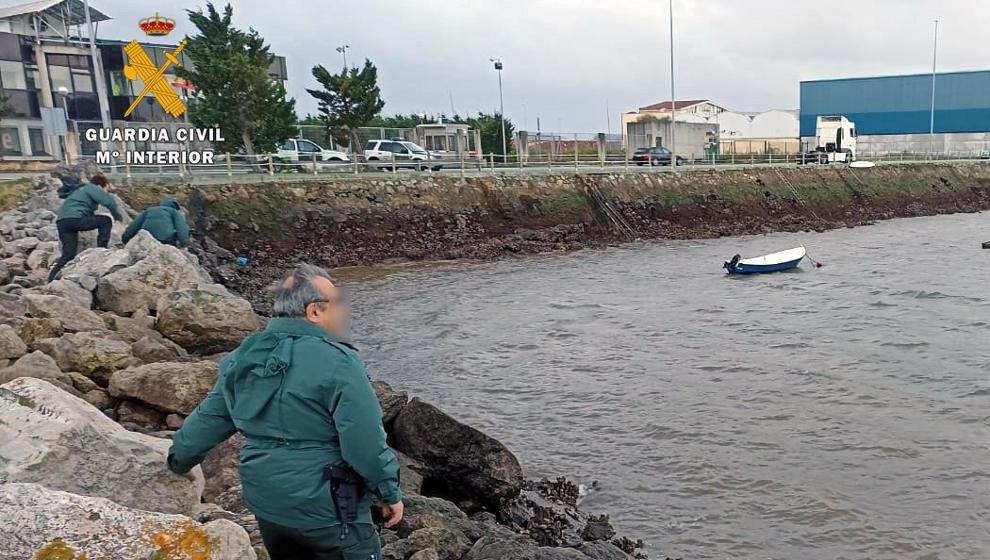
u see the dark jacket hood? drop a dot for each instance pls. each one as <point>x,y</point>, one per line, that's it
<point>169,202</point>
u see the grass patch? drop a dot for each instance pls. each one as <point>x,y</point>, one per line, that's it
<point>14,193</point>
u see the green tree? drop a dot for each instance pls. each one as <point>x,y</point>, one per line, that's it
<point>348,100</point>
<point>233,88</point>
<point>489,127</point>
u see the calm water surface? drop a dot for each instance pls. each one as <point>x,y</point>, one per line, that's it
<point>834,413</point>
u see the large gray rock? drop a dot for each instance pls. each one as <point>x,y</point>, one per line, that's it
<point>11,345</point>
<point>518,548</point>
<point>73,317</point>
<point>155,270</point>
<point>71,291</point>
<point>94,263</point>
<point>43,255</point>
<point>50,437</point>
<point>93,354</point>
<point>602,550</point>
<point>169,386</point>
<point>206,319</point>
<point>73,173</point>
<point>392,401</point>
<point>41,523</point>
<point>471,465</point>
<point>35,364</point>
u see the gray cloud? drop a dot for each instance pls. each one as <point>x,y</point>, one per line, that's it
<point>564,58</point>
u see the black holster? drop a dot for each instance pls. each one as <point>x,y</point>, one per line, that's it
<point>346,489</point>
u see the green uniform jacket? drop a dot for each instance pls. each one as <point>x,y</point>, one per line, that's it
<point>164,222</point>
<point>303,401</point>
<point>85,200</point>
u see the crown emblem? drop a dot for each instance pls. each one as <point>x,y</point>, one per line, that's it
<point>157,25</point>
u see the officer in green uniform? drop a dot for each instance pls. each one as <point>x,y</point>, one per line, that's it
<point>78,213</point>
<point>164,222</point>
<point>314,456</point>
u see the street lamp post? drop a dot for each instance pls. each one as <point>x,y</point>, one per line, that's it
<point>64,93</point>
<point>673,98</point>
<point>343,52</point>
<point>931,120</point>
<point>501,107</point>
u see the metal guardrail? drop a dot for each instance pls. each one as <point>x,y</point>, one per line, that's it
<point>269,167</point>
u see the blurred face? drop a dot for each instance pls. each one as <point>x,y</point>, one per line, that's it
<point>331,312</point>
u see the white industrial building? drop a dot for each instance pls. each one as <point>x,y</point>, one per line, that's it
<point>775,131</point>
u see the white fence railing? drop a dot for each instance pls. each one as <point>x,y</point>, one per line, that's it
<point>271,167</point>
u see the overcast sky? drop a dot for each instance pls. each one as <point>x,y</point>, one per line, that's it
<point>565,59</point>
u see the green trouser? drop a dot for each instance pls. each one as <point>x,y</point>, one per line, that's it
<point>358,542</point>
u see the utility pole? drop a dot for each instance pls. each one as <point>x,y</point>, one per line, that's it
<point>343,52</point>
<point>501,107</point>
<point>673,98</point>
<point>931,121</point>
<point>608,119</point>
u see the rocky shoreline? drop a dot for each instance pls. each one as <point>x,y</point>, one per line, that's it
<point>376,219</point>
<point>98,369</point>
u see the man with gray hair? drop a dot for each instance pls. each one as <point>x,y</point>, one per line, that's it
<point>314,456</point>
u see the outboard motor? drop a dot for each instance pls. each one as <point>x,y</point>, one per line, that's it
<point>730,266</point>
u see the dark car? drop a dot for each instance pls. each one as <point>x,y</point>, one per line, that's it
<point>654,156</point>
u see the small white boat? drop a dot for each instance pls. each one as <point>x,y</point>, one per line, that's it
<point>782,260</point>
<point>862,164</point>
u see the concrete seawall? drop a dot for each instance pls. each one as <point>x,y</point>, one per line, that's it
<point>379,218</point>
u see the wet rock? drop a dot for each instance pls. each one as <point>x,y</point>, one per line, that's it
<point>518,548</point>
<point>35,364</point>
<point>410,481</point>
<point>597,528</point>
<point>547,511</point>
<point>459,461</point>
<point>51,437</point>
<point>600,550</point>
<point>11,345</point>
<point>206,319</point>
<point>169,386</point>
<point>43,523</point>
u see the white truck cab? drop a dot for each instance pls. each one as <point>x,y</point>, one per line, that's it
<point>836,136</point>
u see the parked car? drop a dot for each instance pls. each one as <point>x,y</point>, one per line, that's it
<point>654,156</point>
<point>985,154</point>
<point>400,154</point>
<point>295,150</point>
